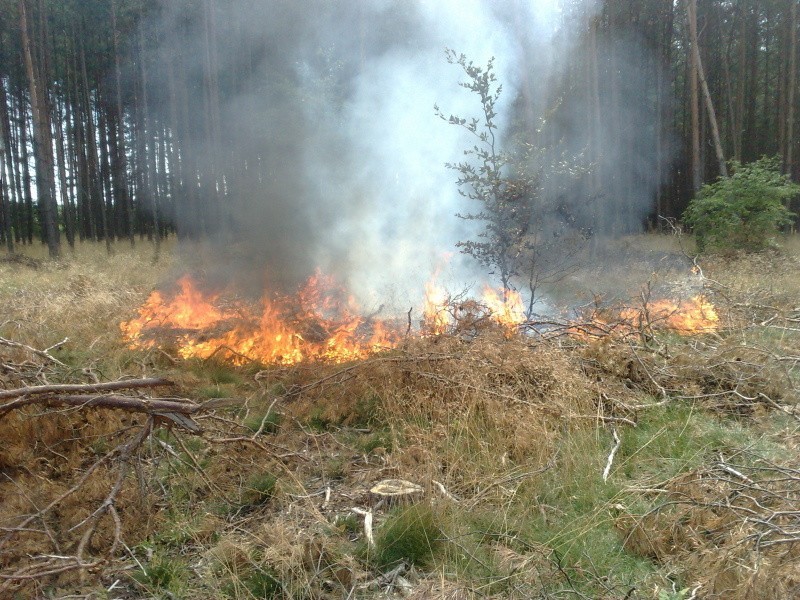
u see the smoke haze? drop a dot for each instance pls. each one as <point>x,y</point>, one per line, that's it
<point>334,157</point>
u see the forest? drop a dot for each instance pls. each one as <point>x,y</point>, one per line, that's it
<point>125,118</point>
<point>426,299</point>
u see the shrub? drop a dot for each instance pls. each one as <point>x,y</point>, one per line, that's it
<point>744,210</point>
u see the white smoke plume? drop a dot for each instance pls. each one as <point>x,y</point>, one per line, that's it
<point>338,115</point>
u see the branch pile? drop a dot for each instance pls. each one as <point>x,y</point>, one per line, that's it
<point>69,451</point>
<point>732,527</point>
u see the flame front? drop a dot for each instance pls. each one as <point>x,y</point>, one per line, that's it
<point>689,317</point>
<point>437,319</point>
<point>696,315</point>
<point>320,322</point>
<point>442,312</point>
<point>505,307</point>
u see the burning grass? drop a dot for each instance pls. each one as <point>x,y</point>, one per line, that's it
<point>507,434</point>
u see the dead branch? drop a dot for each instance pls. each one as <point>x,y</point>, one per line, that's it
<point>47,565</point>
<point>40,353</point>
<point>153,406</point>
<point>85,388</point>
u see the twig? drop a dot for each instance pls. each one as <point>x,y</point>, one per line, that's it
<point>264,420</point>
<point>367,514</point>
<point>40,353</point>
<point>443,490</point>
<point>617,444</point>
<point>606,419</point>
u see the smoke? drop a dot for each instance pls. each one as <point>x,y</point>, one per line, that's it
<point>333,156</point>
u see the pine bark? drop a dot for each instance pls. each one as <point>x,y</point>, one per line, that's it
<point>43,142</point>
<point>700,74</point>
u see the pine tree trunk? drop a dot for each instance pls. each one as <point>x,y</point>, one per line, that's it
<point>24,177</point>
<point>698,68</point>
<point>791,86</point>
<point>97,203</point>
<point>146,162</point>
<point>7,160</point>
<point>43,142</point>
<point>119,156</point>
<point>69,228</point>
<point>694,102</point>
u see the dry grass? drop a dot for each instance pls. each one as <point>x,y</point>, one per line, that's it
<point>83,296</point>
<point>516,431</point>
<point>730,528</point>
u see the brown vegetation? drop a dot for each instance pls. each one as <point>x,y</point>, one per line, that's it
<point>507,435</point>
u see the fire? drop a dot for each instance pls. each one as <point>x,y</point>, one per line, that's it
<point>506,308</point>
<point>443,313</point>
<point>689,317</point>
<point>320,322</point>
<point>437,319</point>
<point>696,315</point>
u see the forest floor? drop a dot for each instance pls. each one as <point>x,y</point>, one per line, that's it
<point>630,463</point>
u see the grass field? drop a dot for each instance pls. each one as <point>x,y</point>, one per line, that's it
<point>650,465</point>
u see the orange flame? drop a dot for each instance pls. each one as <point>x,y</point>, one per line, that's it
<point>506,308</point>
<point>696,315</point>
<point>436,318</point>
<point>689,317</point>
<point>442,313</point>
<point>320,323</point>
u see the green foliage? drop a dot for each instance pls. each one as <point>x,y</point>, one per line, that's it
<point>163,573</point>
<point>216,371</point>
<point>744,210</point>
<point>260,583</point>
<point>410,535</point>
<point>481,176</point>
<point>366,412</point>
<point>317,421</point>
<point>379,439</point>
<point>674,595</point>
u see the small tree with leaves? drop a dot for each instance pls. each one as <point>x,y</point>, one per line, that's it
<point>743,211</point>
<point>481,177</point>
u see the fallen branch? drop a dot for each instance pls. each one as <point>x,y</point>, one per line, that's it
<point>46,565</point>
<point>40,353</point>
<point>67,388</point>
<point>130,403</point>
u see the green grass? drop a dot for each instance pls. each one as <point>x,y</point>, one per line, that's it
<point>163,576</point>
<point>411,535</point>
<point>259,489</point>
<point>216,371</point>
<point>266,423</point>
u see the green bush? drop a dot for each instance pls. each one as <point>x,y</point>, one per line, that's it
<point>744,210</point>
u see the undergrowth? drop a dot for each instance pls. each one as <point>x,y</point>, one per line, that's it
<point>509,439</point>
